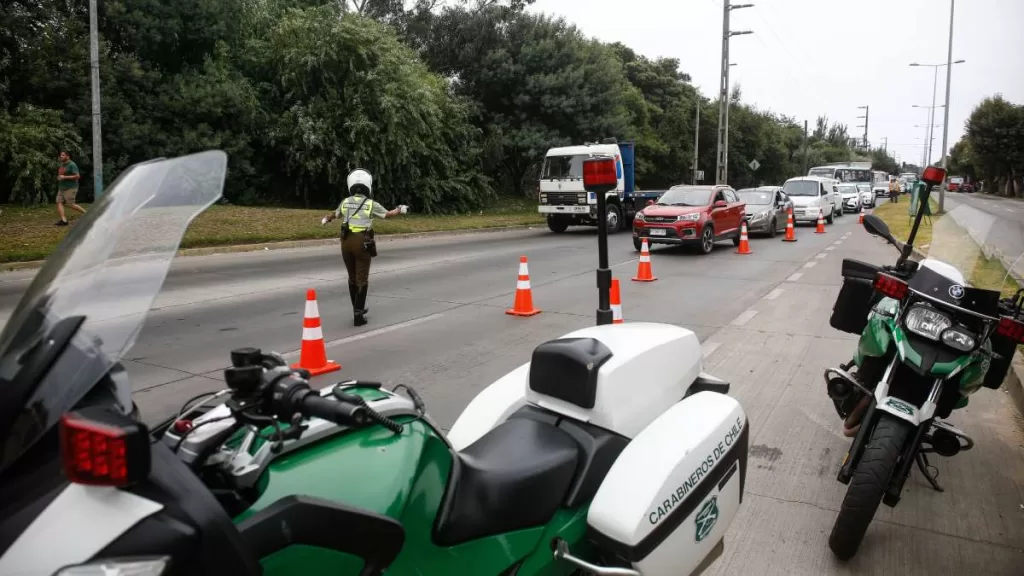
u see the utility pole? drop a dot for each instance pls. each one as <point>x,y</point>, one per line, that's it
<point>945,122</point>
<point>931,118</point>
<point>885,145</point>
<point>722,168</point>
<point>866,110</point>
<point>805,147</point>
<point>696,141</point>
<point>97,137</point>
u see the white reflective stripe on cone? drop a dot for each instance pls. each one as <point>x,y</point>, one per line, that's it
<point>645,257</point>
<point>312,311</point>
<point>313,333</point>
<point>523,285</point>
<point>523,271</point>
<point>616,312</point>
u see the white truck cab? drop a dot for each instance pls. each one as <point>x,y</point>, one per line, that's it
<point>565,203</point>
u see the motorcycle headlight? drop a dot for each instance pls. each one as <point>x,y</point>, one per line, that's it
<point>958,339</point>
<point>689,217</point>
<point>118,567</point>
<point>927,322</point>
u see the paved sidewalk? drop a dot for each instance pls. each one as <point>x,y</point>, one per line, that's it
<point>775,354</point>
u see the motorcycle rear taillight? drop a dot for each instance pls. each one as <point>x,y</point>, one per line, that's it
<point>1011,328</point>
<point>891,286</point>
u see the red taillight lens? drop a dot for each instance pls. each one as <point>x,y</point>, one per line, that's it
<point>934,175</point>
<point>599,174</point>
<point>1011,328</point>
<point>891,286</point>
<point>103,448</point>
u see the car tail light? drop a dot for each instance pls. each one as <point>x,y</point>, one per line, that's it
<point>104,448</point>
<point>599,174</point>
<point>1011,328</point>
<point>891,286</point>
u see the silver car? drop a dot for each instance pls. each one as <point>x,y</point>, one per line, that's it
<point>767,208</point>
<point>867,195</point>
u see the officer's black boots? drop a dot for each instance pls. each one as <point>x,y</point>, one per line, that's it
<point>353,291</point>
<point>359,308</point>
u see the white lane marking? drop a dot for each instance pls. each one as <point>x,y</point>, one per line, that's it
<point>847,235</point>
<point>795,276</point>
<point>810,265</point>
<point>837,242</point>
<point>822,255</point>
<point>1009,209</point>
<point>743,318</point>
<point>710,347</point>
<point>830,248</point>
<point>374,332</point>
<point>773,294</point>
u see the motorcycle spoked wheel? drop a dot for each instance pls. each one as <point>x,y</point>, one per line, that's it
<point>867,485</point>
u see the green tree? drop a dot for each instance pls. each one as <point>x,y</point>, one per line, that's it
<point>29,142</point>
<point>995,133</point>
<point>536,83</point>
<point>352,96</point>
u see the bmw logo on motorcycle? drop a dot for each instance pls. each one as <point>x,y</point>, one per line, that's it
<point>956,291</point>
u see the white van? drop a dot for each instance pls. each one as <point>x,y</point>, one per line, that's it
<point>812,195</point>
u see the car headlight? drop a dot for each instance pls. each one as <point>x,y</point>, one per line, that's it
<point>640,217</point>
<point>927,322</point>
<point>118,567</point>
<point>958,339</point>
<point>758,216</point>
<point>544,198</point>
<point>689,217</point>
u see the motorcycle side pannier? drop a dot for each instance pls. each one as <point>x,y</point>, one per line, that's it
<point>668,500</point>
<point>856,297</point>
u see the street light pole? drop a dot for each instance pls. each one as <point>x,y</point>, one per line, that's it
<point>945,123</point>
<point>97,137</point>
<point>696,141</point>
<point>722,168</point>
<point>867,112</point>
<point>931,118</point>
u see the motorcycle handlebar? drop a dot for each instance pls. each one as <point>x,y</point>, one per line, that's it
<point>341,413</point>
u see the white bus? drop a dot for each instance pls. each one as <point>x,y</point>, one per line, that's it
<point>851,172</point>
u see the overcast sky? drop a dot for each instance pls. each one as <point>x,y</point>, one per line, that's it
<point>807,58</point>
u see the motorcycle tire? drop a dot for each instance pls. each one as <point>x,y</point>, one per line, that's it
<point>868,485</point>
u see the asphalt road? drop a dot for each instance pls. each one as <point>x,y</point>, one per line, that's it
<point>438,324</point>
<point>992,220</point>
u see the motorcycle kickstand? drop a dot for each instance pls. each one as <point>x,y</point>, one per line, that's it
<point>923,465</point>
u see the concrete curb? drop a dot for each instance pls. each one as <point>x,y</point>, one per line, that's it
<point>291,244</point>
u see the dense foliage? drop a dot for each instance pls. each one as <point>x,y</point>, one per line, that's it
<point>446,103</point>
<point>993,147</point>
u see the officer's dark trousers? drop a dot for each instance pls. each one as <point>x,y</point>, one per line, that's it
<point>357,262</point>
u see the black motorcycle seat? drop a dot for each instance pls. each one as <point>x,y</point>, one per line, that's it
<point>515,476</point>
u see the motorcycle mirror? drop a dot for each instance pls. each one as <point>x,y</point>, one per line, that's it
<point>876,227</point>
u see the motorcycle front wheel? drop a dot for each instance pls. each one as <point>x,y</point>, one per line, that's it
<point>867,485</point>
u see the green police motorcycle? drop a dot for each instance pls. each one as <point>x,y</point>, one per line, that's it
<point>610,452</point>
<point>928,340</point>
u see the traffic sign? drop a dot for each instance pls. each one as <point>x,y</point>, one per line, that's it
<point>754,165</point>
<point>700,175</point>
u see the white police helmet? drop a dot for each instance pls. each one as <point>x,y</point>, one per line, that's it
<point>360,182</point>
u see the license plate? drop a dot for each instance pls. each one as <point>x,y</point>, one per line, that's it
<point>658,232</point>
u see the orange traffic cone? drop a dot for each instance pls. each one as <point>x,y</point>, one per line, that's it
<point>524,295</point>
<point>643,270</point>
<point>821,223</point>
<point>313,356</point>
<point>790,233</point>
<point>744,247</point>
<point>861,219</point>
<point>616,302</point>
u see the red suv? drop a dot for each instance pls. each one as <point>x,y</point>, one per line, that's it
<point>697,215</point>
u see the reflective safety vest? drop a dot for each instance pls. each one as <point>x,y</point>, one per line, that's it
<point>358,221</point>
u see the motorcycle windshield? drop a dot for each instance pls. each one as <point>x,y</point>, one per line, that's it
<point>976,245</point>
<point>103,277</point>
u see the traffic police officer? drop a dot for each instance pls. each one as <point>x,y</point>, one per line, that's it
<point>357,242</point>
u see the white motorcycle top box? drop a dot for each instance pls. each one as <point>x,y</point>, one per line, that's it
<point>640,371</point>
<point>666,502</point>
